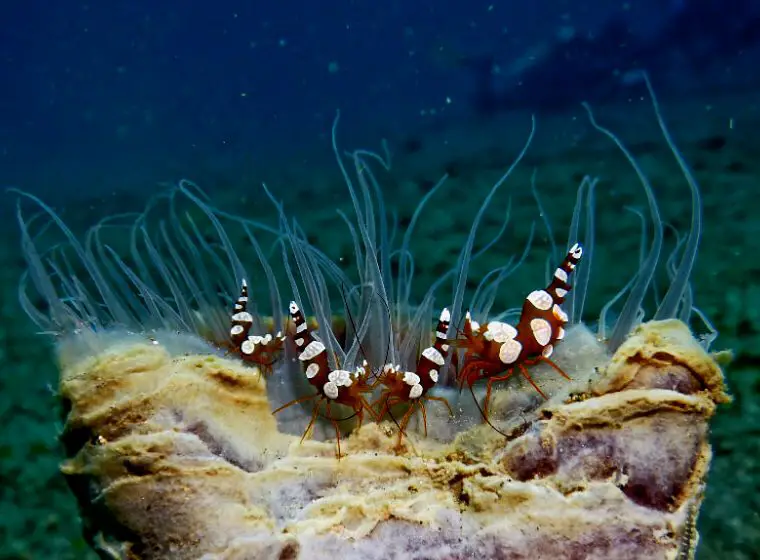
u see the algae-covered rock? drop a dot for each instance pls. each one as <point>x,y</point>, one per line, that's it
<point>178,456</point>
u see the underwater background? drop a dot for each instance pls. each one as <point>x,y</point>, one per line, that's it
<point>103,105</point>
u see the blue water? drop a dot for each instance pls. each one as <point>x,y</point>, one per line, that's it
<point>115,96</point>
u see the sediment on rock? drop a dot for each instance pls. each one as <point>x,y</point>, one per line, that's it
<point>175,456</point>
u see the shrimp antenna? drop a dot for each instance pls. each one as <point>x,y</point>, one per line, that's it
<point>388,346</point>
<point>483,414</point>
<point>351,319</point>
<point>337,419</point>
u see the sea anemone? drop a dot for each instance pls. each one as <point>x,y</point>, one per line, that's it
<point>176,277</point>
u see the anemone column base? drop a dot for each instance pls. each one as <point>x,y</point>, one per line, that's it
<point>178,456</point>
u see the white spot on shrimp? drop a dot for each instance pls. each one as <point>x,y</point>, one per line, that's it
<point>411,378</point>
<point>560,333</point>
<point>293,308</point>
<point>576,251</point>
<point>541,299</point>
<point>474,325</point>
<point>500,332</point>
<point>312,370</point>
<point>312,350</point>
<point>547,351</point>
<point>236,330</point>
<point>299,341</point>
<point>542,331</point>
<point>433,355</point>
<point>341,377</point>
<point>433,373</point>
<point>445,315</point>
<point>560,274</point>
<point>243,317</point>
<point>248,347</point>
<point>415,391</point>
<point>509,351</point>
<point>301,327</point>
<point>561,292</point>
<point>559,314</point>
<point>331,390</point>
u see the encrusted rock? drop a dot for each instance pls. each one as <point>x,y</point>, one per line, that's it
<point>178,456</point>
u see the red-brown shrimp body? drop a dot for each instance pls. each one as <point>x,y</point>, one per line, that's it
<point>494,352</point>
<point>261,350</point>
<point>333,386</point>
<point>412,387</point>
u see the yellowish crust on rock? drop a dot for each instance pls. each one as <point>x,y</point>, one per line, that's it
<point>613,409</point>
<point>180,457</point>
<point>663,346</point>
<point>139,388</point>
